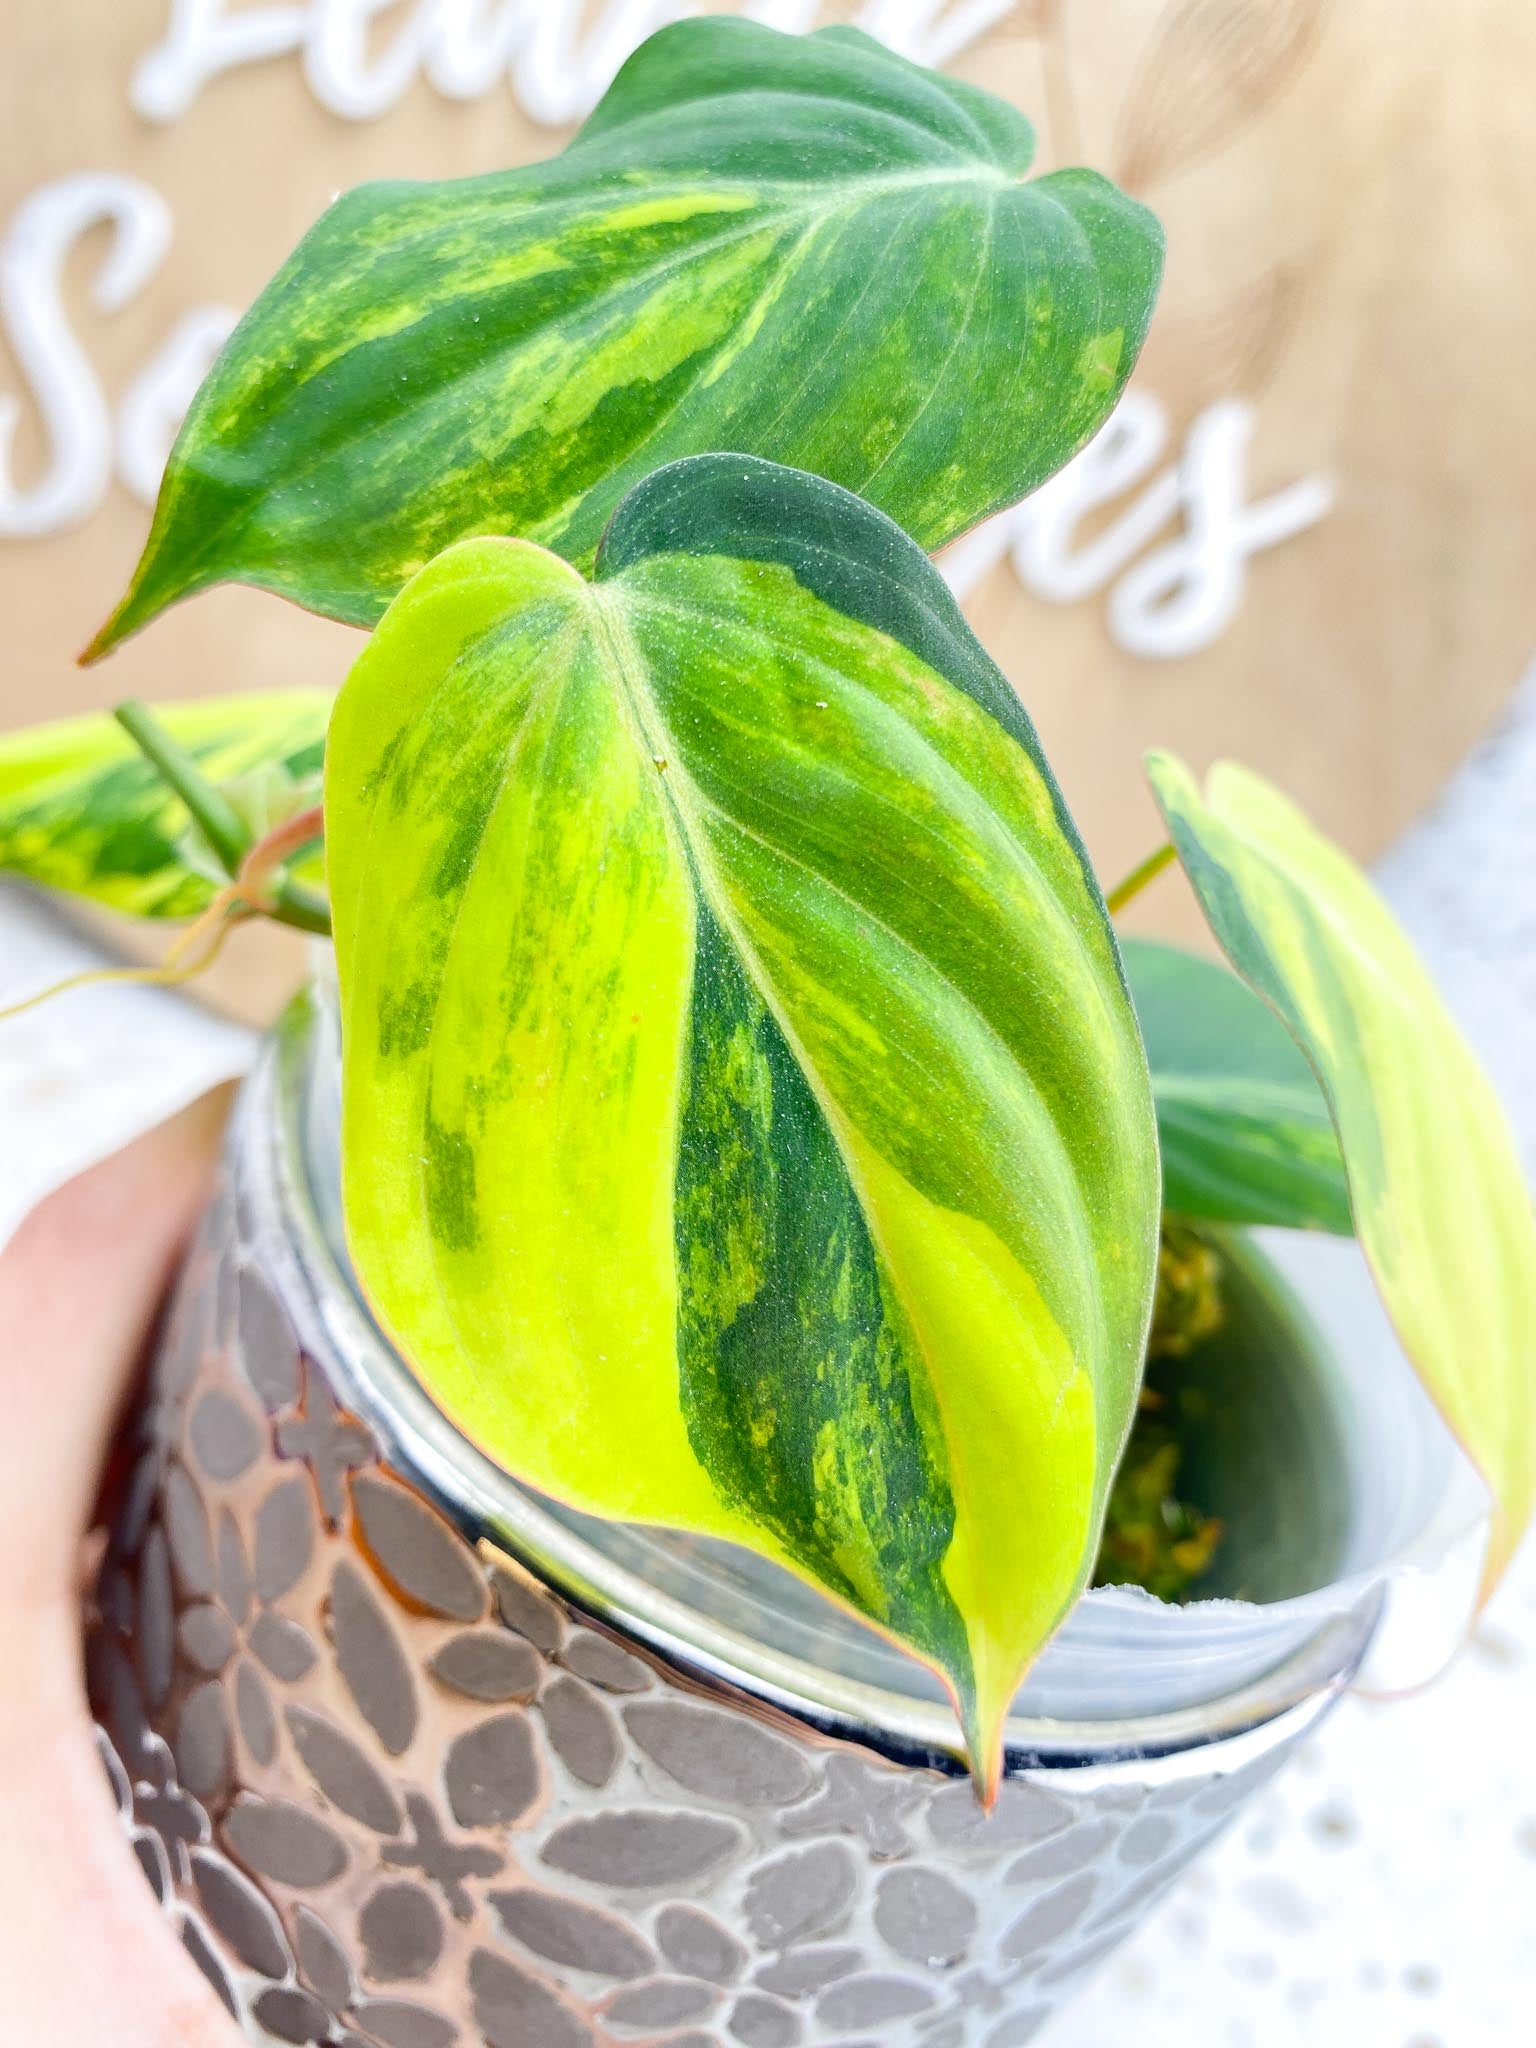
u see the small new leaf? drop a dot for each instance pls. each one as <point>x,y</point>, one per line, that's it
<point>746,1128</point>
<point>1440,1203</point>
<point>801,246</point>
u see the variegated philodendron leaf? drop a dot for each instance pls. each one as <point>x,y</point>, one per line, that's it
<point>82,810</point>
<point>801,246</point>
<point>745,1126</point>
<point>1245,1129</point>
<point>1440,1204</point>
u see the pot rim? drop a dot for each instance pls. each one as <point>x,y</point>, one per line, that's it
<point>269,1137</point>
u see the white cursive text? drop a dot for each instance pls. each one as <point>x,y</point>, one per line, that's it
<point>557,67</point>
<point>1185,593</point>
<point>84,444</point>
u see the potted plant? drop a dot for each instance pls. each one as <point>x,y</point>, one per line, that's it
<point>688,1268</point>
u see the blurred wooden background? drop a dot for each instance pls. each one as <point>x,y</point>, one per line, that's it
<point>1347,324</point>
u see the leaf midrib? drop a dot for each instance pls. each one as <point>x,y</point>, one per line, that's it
<point>979,813</point>
<point>629,664</point>
<point>851,194</point>
<point>679,791</point>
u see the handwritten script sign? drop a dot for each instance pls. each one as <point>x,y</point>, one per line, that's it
<point>557,55</point>
<point>1295,541</point>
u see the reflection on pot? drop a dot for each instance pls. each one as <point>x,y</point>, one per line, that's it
<point>415,1761</point>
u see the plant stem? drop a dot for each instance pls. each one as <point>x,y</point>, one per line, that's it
<point>246,863</point>
<point>1138,879</point>
<point>213,812</point>
<point>293,904</point>
<point>290,902</point>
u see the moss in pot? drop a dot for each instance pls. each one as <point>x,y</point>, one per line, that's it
<point>751,1125</point>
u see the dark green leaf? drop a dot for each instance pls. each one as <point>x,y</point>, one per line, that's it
<point>1245,1130</point>
<point>801,246</point>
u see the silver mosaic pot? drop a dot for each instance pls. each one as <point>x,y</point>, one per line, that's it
<point>418,1760</point>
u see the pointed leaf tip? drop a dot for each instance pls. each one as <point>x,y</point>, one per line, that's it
<point>733,1065</point>
<point>741,206</point>
<point>107,637</point>
<point>130,615</point>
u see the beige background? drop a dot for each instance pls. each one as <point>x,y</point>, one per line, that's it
<point>1346,186</point>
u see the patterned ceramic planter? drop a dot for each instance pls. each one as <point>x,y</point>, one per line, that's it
<point>417,1760</point>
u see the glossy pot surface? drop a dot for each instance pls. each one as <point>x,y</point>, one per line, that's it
<point>417,1760</point>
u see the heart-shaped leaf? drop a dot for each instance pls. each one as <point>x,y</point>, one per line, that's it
<point>82,810</point>
<point>801,246</point>
<point>1245,1129</point>
<point>1440,1203</point>
<point>746,1128</point>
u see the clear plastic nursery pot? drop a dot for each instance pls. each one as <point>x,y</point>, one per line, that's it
<point>417,1758</point>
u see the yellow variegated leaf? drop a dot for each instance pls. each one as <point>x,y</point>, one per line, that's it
<point>82,810</point>
<point>745,1126</point>
<point>1440,1203</point>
